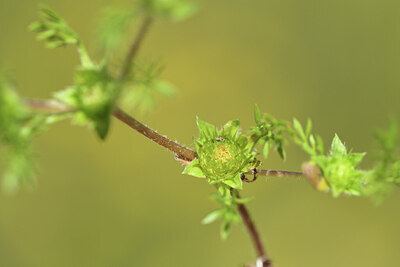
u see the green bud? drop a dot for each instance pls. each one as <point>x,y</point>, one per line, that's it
<point>223,155</point>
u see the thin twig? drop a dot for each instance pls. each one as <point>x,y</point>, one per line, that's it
<point>48,105</point>
<point>261,254</point>
<point>126,68</point>
<point>276,173</point>
<point>181,151</point>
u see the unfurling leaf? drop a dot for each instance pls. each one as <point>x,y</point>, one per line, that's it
<point>212,217</point>
<point>55,32</point>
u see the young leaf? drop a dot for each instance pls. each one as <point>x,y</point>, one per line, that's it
<point>225,229</point>
<point>231,129</point>
<point>308,127</point>
<point>235,183</point>
<point>213,216</point>
<point>266,149</point>
<point>206,130</point>
<point>243,200</point>
<point>55,32</point>
<point>257,115</point>
<point>299,129</point>
<point>194,169</point>
<point>337,147</point>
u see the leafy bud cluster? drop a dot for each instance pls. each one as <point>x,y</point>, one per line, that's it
<point>339,169</point>
<point>223,155</point>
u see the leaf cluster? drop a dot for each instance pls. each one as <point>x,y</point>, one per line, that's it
<point>144,87</point>
<point>93,96</point>
<point>386,173</point>
<point>91,99</point>
<point>53,30</point>
<point>269,133</point>
<point>228,213</point>
<point>340,167</point>
<point>18,126</point>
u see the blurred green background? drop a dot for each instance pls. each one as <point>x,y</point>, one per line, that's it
<point>124,202</point>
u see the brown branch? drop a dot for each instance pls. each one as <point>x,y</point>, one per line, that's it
<point>48,105</point>
<point>276,173</point>
<point>255,237</point>
<point>181,151</point>
<point>127,66</point>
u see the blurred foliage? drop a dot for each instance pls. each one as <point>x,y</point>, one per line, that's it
<point>340,167</point>
<point>379,180</point>
<point>269,133</point>
<point>18,126</point>
<point>175,10</point>
<point>223,154</point>
<point>15,138</point>
<point>113,26</point>
<point>144,86</point>
<point>91,99</point>
<point>55,32</point>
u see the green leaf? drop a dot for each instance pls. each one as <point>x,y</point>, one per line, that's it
<point>95,96</point>
<point>194,169</point>
<point>18,126</point>
<point>235,183</point>
<point>308,127</point>
<point>225,191</point>
<point>207,131</point>
<point>183,12</point>
<point>299,129</point>
<point>265,150</point>
<point>225,229</point>
<point>231,129</point>
<point>213,216</point>
<point>55,32</point>
<point>67,96</point>
<point>141,93</point>
<point>257,115</point>
<point>269,131</point>
<point>113,27</point>
<point>165,88</point>
<point>243,200</point>
<point>356,158</point>
<point>175,10</point>
<point>102,126</point>
<point>320,145</point>
<point>337,146</point>
<point>312,141</point>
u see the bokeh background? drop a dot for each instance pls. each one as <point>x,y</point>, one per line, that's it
<point>124,202</point>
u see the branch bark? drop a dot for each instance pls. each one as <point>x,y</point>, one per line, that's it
<point>181,151</point>
<point>127,66</point>
<point>276,173</point>
<point>255,236</point>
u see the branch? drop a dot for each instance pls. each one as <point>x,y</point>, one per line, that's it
<point>48,105</point>
<point>276,173</point>
<point>135,47</point>
<point>182,152</point>
<point>262,255</point>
